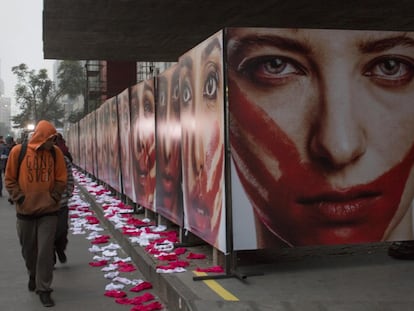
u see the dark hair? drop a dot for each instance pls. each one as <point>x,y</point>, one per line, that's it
<point>60,142</point>
<point>9,140</point>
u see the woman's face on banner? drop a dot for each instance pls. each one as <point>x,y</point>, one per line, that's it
<point>322,131</point>
<point>107,142</point>
<point>203,143</point>
<point>144,142</point>
<point>169,143</point>
<point>114,142</point>
<point>124,125</point>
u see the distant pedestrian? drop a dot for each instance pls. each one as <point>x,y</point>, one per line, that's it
<point>61,239</point>
<point>10,141</point>
<point>3,158</point>
<point>36,186</point>
<point>5,147</point>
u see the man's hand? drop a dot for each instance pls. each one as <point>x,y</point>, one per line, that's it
<point>21,200</point>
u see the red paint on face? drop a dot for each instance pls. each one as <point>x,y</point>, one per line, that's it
<point>205,201</point>
<point>143,142</point>
<point>169,169</point>
<point>301,207</point>
<point>169,148</point>
<point>146,182</point>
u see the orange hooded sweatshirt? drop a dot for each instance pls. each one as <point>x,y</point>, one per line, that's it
<point>42,180</point>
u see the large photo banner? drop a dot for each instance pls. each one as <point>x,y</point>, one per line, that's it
<point>321,134</point>
<point>202,121</point>
<point>113,145</point>
<point>143,142</point>
<point>94,141</point>
<point>73,141</point>
<point>106,138</point>
<point>125,142</point>
<point>89,142</point>
<point>168,146</point>
<point>82,142</point>
<point>100,139</point>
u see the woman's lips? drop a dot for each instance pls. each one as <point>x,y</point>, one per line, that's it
<point>142,168</point>
<point>341,207</point>
<point>168,183</point>
<point>200,216</point>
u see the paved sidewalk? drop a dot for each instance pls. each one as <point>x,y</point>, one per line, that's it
<point>77,286</point>
<point>339,278</point>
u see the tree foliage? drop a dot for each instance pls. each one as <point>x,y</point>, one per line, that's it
<point>39,98</point>
<point>71,77</point>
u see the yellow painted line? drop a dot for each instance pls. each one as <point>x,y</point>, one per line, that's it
<point>217,288</point>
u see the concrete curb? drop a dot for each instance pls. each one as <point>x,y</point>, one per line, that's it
<point>169,288</point>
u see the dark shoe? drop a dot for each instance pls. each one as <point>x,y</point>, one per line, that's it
<point>32,284</point>
<point>61,255</point>
<point>402,250</point>
<point>46,300</point>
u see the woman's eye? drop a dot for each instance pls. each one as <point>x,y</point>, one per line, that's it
<point>175,99</point>
<point>162,99</point>
<point>186,93</point>
<point>175,92</point>
<point>390,71</point>
<point>148,107</point>
<point>270,69</point>
<point>211,85</point>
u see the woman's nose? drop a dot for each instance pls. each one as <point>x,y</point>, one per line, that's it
<point>166,141</point>
<point>338,137</point>
<point>197,153</point>
<point>167,133</point>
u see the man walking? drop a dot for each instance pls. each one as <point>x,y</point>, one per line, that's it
<point>35,182</point>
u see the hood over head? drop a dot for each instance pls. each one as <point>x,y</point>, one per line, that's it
<point>43,131</point>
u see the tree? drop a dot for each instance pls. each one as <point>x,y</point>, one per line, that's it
<point>40,98</point>
<point>37,98</point>
<point>71,77</point>
<point>72,83</point>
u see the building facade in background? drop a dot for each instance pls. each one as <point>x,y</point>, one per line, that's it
<point>5,110</point>
<point>5,115</point>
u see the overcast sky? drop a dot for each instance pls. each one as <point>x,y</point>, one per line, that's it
<point>21,39</point>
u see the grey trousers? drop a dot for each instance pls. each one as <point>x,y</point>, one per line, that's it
<point>37,237</point>
<point>61,239</point>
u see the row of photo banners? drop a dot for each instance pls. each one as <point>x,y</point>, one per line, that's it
<point>293,136</point>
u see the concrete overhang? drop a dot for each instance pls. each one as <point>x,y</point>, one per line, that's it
<point>162,30</point>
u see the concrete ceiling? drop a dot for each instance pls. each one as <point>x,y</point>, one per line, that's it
<point>162,30</point>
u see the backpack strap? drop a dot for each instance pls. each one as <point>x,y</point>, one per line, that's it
<point>53,152</point>
<point>21,157</point>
